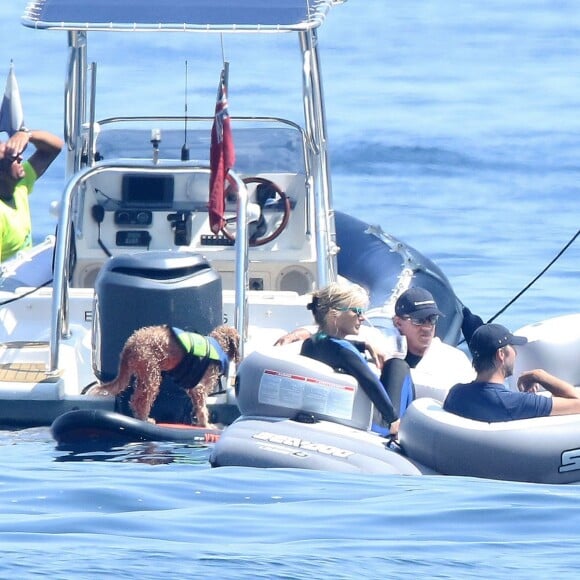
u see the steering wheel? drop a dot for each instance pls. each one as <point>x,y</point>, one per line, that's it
<point>256,239</point>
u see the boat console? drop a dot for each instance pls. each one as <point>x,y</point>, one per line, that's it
<point>131,206</point>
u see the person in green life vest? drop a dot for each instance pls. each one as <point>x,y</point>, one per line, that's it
<point>17,178</point>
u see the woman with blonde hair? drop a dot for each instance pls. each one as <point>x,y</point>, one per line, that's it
<point>338,309</point>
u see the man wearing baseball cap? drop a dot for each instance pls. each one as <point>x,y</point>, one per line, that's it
<point>492,347</point>
<point>416,316</point>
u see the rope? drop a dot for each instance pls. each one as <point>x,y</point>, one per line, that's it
<point>526,288</point>
<point>25,294</point>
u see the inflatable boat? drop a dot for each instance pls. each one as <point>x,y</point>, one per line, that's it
<point>297,412</point>
<point>386,267</point>
<point>540,450</point>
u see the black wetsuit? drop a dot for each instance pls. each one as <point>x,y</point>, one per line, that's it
<point>413,359</point>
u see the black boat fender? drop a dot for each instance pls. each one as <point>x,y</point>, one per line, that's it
<point>91,426</point>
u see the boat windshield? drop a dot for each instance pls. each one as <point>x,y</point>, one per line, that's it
<point>258,149</point>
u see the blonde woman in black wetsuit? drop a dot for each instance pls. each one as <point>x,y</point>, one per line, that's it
<point>338,310</point>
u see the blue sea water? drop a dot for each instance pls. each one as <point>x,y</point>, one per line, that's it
<point>453,125</point>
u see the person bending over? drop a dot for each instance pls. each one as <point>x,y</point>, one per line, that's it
<point>17,178</point>
<point>488,399</point>
<point>338,310</point>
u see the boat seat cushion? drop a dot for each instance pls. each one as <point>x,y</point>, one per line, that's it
<point>280,383</point>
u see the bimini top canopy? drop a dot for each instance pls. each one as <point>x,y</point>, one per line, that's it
<point>178,15</point>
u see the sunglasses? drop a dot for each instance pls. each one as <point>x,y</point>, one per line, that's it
<point>7,162</point>
<point>430,320</point>
<point>355,309</point>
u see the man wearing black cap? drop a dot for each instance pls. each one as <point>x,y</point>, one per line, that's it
<point>436,366</point>
<point>488,399</point>
<point>416,316</point>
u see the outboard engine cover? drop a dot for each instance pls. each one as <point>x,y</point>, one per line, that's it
<point>151,288</point>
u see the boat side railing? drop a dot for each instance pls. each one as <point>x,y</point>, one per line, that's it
<point>315,119</point>
<point>60,324</point>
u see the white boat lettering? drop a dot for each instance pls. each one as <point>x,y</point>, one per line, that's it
<point>570,461</point>
<point>325,449</point>
<point>302,444</point>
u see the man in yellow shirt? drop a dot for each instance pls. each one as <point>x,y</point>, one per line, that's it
<point>17,178</point>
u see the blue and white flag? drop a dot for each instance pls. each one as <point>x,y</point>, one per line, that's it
<point>11,115</point>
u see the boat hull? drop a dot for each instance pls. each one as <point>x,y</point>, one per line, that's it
<point>41,413</point>
<point>90,352</point>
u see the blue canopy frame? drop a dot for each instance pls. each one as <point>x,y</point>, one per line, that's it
<point>185,15</point>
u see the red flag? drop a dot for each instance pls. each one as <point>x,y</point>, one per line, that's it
<point>222,157</point>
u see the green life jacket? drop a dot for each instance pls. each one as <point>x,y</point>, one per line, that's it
<point>197,344</point>
<point>199,352</point>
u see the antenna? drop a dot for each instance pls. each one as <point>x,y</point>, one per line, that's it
<point>185,148</point>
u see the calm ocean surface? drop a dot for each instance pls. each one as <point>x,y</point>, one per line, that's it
<point>455,126</point>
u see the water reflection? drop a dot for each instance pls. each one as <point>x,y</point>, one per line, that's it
<point>152,453</point>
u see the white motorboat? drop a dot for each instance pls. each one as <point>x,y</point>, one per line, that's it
<point>134,244</point>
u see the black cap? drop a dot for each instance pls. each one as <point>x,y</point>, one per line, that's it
<point>416,303</point>
<point>489,337</point>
